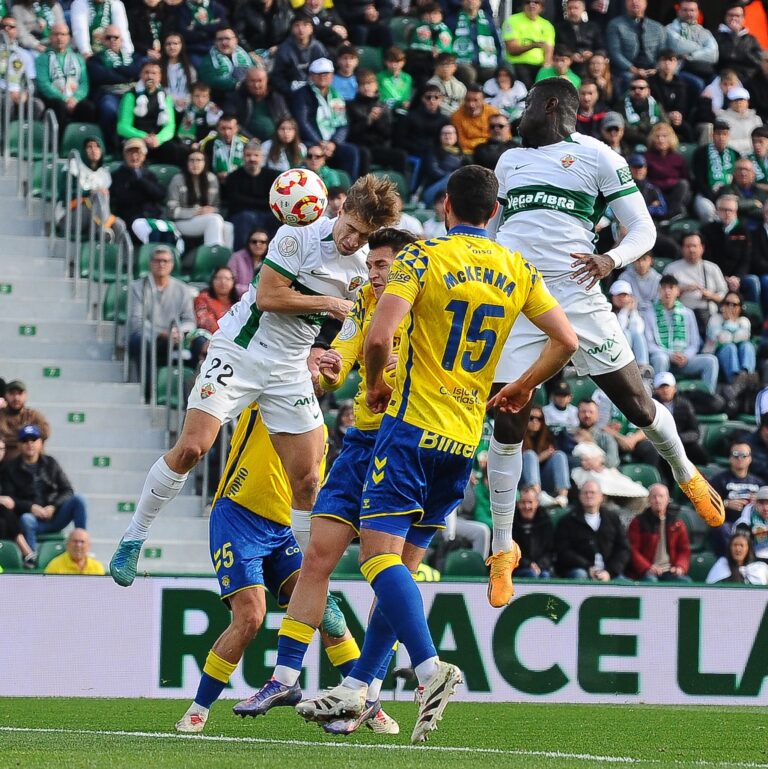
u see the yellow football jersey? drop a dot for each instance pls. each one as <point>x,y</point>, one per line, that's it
<point>466,293</point>
<point>254,476</point>
<point>349,343</point>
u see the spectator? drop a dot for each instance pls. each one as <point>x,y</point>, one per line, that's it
<point>213,302</point>
<point>284,150</point>
<point>592,111</point>
<point>668,169</point>
<point>641,111</point>
<point>259,107</point>
<point>395,85</point>
<point>599,70</point>
<point>728,337</point>
<point>315,161</point>
<point>741,119</point>
<point>505,93</point>
<point>171,300</point>
<point>16,64</point>
<point>441,163</point>
<point>739,565</point>
<point>671,94</point>
<point>407,222</point>
<point>198,21</point>
<point>322,118</point>
<point>10,529</point>
<point>337,196</point>
<point>759,157</point>
<point>178,74</point>
<point>41,492</point>
<point>754,521</point>
<point>75,559</point>
<point>488,153</point>
<point>632,324</point>
<point>757,86</point>
<point>658,542</point>
<point>562,58</point>
<point>246,263</point>
<point>434,227</point>
<point>15,415</point>
<point>453,91</point>
<point>590,542</point>
<point>714,97</point>
<point>345,418</point>
<point>545,467</point>
<point>589,431</point>
<point>62,80</point>
<point>371,124</point>
<point>345,77</point>
<point>199,118</point>
<point>472,119</point>
<point>193,203</point>
<point>263,24</point>
<point>246,194</point>
<point>581,36</point>
<point>294,55</point>
<point>329,26</point>
<point>112,73</point>
<point>95,181</point>
<point>612,133</point>
<point>476,41</point>
<point>701,283</point>
<point>89,20</point>
<point>533,531</point>
<point>673,337</point>
<point>644,281</point>
<point>224,67</point>
<point>560,412</point>
<point>419,131</point>
<point>147,113</point>
<point>225,147</point>
<point>695,45</point>
<point>147,24</point>
<point>367,21</point>
<point>652,195</point>
<point>34,22</point>
<point>530,40</point>
<point>738,49</point>
<point>634,42</point>
<point>429,38</point>
<point>758,442</point>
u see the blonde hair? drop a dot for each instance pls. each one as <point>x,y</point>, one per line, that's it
<point>374,201</point>
<point>674,142</point>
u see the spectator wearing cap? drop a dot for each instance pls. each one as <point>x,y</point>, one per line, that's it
<point>668,169</point>
<point>76,559</point>
<point>612,133</point>
<point>695,45</point>
<point>198,21</point>
<point>741,119</point>
<point>560,412</point>
<point>592,110</point>
<point>712,165</point>
<point>41,492</point>
<point>10,528</point>
<point>640,110</point>
<point>754,520</point>
<point>472,119</point>
<point>671,94</point>
<point>562,58</point>
<point>15,415</point>
<point>530,40</point>
<point>258,106</point>
<point>625,308</point>
<point>367,21</point>
<point>328,24</point>
<point>644,281</point>
<point>738,49</point>
<point>224,67</point>
<point>673,337</point>
<point>652,195</point>
<point>322,117</point>
<point>345,77</point>
<point>660,550</point>
<point>290,70</point>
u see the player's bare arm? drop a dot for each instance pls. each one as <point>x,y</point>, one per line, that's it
<point>591,268</point>
<point>274,294</point>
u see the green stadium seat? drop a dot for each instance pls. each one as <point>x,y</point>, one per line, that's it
<point>558,513</point>
<point>701,563</point>
<point>349,389</point>
<point>344,178</point>
<point>10,556</point>
<point>54,536</point>
<point>141,264</point>
<point>713,419</point>
<point>682,227</point>
<point>422,214</point>
<point>687,150</point>
<point>401,27</point>
<point>207,259</point>
<point>692,385</point>
<point>717,439</point>
<point>164,173</point>
<point>37,140</point>
<point>645,475</point>
<point>348,566</point>
<point>76,133</point>
<point>581,387</point>
<point>464,563</point>
<point>47,552</point>
<point>111,251</point>
<point>660,263</point>
<point>540,397</point>
<point>330,418</point>
<point>754,312</point>
<point>115,300</point>
<point>698,531</point>
<point>400,182</point>
<point>188,377</point>
<point>371,57</point>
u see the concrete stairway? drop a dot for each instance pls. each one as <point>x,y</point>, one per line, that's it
<point>103,436</point>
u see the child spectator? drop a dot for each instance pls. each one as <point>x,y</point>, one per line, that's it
<point>560,412</point>
<point>434,227</point>
<point>336,198</point>
<point>215,300</point>
<point>294,55</point>
<point>395,85</point>
<point>345,79</point>
<point>199,118</point>
<point>644,281</point>
<point>625,308</point>
<point>562,58</point>
<point>453,90</point>
<point>429,38</point>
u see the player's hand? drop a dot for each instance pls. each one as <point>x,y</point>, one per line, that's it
<point>377,397</point>
<point>338,308</point>
<point>392,365</point>
<point>591,268</point>
<point>511,398</point>
<point>330,365</point>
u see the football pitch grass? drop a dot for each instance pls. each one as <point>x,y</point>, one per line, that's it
<point>37,733</point>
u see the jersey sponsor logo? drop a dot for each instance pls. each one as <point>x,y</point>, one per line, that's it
<point>293,550</point>
<point>207,390</point>
<point>287,246</point>
<point>567,161</point>
<point>461,395</point>
<point>398,277</point>
<point>355,283</point>
<point>348,330</point>
<point>448,445</point>
<point>606,346</point>
<point>535,197</point>
<point>624,174</point>
<point>307,400</point>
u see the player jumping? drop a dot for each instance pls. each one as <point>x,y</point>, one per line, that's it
<point>552,191</point>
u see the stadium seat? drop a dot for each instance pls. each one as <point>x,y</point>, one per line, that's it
<point>581,387</point>
<point>399,180</point>
<point>540,397</point>
<point>754,312</point>
<point>76,133</point>
<point>344,178</point>
<point>37,139</point>
<point>401,27</point>
<point>111,251</point>
<point>645,475</point>
<point>371,57</point>
<point>701,563</point>
<point>206,260</point>
<point>115,299</point>
<point>348,566</point>
<point>660,263</point>
<point>682,227</point>
<point>330,418</point>
<point>37,179</point>
<point>47,552</point>
<point>161,388</point>
<point>557,513</point>
<point>692,385</point>
<point>687,150</point>
<point>164,173</point>
<point>10,556</point>
<point>713,419</point>
<point>717,439</point>
<point>464,563</point>
<point>698,531</point>
<point>349,389</point>
<point>141,265</point>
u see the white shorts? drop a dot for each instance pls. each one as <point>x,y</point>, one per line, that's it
<point>232,378</point>
<point>602,345</point>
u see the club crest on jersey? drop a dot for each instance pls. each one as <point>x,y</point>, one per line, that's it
<point>355,283</point>
<point>207,390</point>
<point>567,161</point>
<point>225,581</point>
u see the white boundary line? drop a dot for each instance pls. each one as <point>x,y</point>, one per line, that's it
<point>372,746</point>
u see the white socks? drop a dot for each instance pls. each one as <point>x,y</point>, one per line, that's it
<point>374,689</point>
<point>662,433</point>
<point>300,522</point>
<point>505,466</point>
<point>425,670</point>
<point>285,675</point>
<point>162,486</point>
<point>348,682</point>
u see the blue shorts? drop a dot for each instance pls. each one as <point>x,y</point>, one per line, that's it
<point>415,479</point>
<point>339,498</point>
<point>250,551</point>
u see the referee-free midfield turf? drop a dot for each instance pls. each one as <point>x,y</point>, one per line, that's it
<point>138,734</point>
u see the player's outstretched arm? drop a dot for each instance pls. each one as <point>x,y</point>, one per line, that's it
<point>274,294</point>
<point>562,343</point>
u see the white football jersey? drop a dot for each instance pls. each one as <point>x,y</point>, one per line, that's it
<point>552,197</point>
<point>309,257</point>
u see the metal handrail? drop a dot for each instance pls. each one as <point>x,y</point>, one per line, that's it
<point>30,141</point>
<point>72,261</point>
<point>148,377</point>
<point>20,148</point>
<point>178,364</point>
<point>124,257</point>
<point>50,155</point>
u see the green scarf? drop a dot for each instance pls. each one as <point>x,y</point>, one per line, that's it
<point>331,112</point>
<point>676,338</point>
<point>44,13</point>
<point>226,65</point>
<point>119,59</point>
<point>156,28</point>
<point>465,47</point>
<point>760,166</point>
<point>227,157</point>
<point>99,18</point>
<point>720,167</point>
<point>64,72</point>
<point>633,117</point>
<point>200,14</point>
<point>428,36</point>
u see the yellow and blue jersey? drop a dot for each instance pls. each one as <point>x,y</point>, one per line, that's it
<point>466,292</point>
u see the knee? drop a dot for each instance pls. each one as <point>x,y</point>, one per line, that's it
<point>249,619</point>
<point>28,521</point>
<point>188,452</point>
<point>307,484</point>
<point>317,565</point>
<point>508,428</point>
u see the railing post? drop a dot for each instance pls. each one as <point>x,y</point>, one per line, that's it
<point>128,246</point>
<point>30,142</point>
<point>50,117</point>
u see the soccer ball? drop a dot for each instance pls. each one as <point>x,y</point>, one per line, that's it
<point>298,197</point>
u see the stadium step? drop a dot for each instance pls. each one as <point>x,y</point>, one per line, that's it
<point>25,255</point>
<point>75,460</point>
<point>20,309</point>
<point>162,556</point>
<point>119,393</point>
<point>35,325</point>
<point>104,438</point>
<point>32,347</point>
<point>78,416</point>
<point>38,288</point>
<point>106,480</point>
<point>34,369</point>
